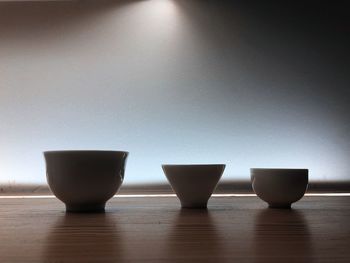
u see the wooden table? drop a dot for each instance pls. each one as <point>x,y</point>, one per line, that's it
<point>154,229</point>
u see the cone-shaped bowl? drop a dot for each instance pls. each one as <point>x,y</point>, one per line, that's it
<point>193,184</point>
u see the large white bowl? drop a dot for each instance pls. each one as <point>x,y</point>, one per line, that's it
<point>85,180</point>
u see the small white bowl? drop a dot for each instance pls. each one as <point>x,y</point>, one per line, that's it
<point>194,183</point>
<point>279,187</point>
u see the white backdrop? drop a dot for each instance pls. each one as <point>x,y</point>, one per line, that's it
<point>171,82</point>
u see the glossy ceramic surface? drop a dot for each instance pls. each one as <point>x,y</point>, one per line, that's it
<point>193,184</point>
<point>279,187</point>
<point>85,180</point>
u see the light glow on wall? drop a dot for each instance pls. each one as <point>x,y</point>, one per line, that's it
<point>170,82</point>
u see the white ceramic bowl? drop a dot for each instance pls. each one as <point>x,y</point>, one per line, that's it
<point>85,180</point>
<point>193,184</point>
<point>279,187</point>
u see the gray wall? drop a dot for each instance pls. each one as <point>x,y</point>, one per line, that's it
<point>247,84</point>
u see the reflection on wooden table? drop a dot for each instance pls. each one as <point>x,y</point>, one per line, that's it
<point>155,229</point>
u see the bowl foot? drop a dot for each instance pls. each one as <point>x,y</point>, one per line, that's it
<point>280,206</point>
<point>99,208</point>
<point>194,205</point>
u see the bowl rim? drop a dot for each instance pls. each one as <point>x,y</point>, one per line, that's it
<point>279,169</point>
<point>194,165</point>
<point>83,151</point>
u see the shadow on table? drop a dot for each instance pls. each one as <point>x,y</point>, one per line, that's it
<point>193,236</point>
<point>83,238</point>
<point>280,235</point>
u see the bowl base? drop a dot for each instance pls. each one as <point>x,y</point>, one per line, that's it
<point>280,206</point>
<point>99,208</point>
<point>194,205</point>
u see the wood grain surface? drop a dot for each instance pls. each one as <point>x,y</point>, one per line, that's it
<point>232,229</point>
